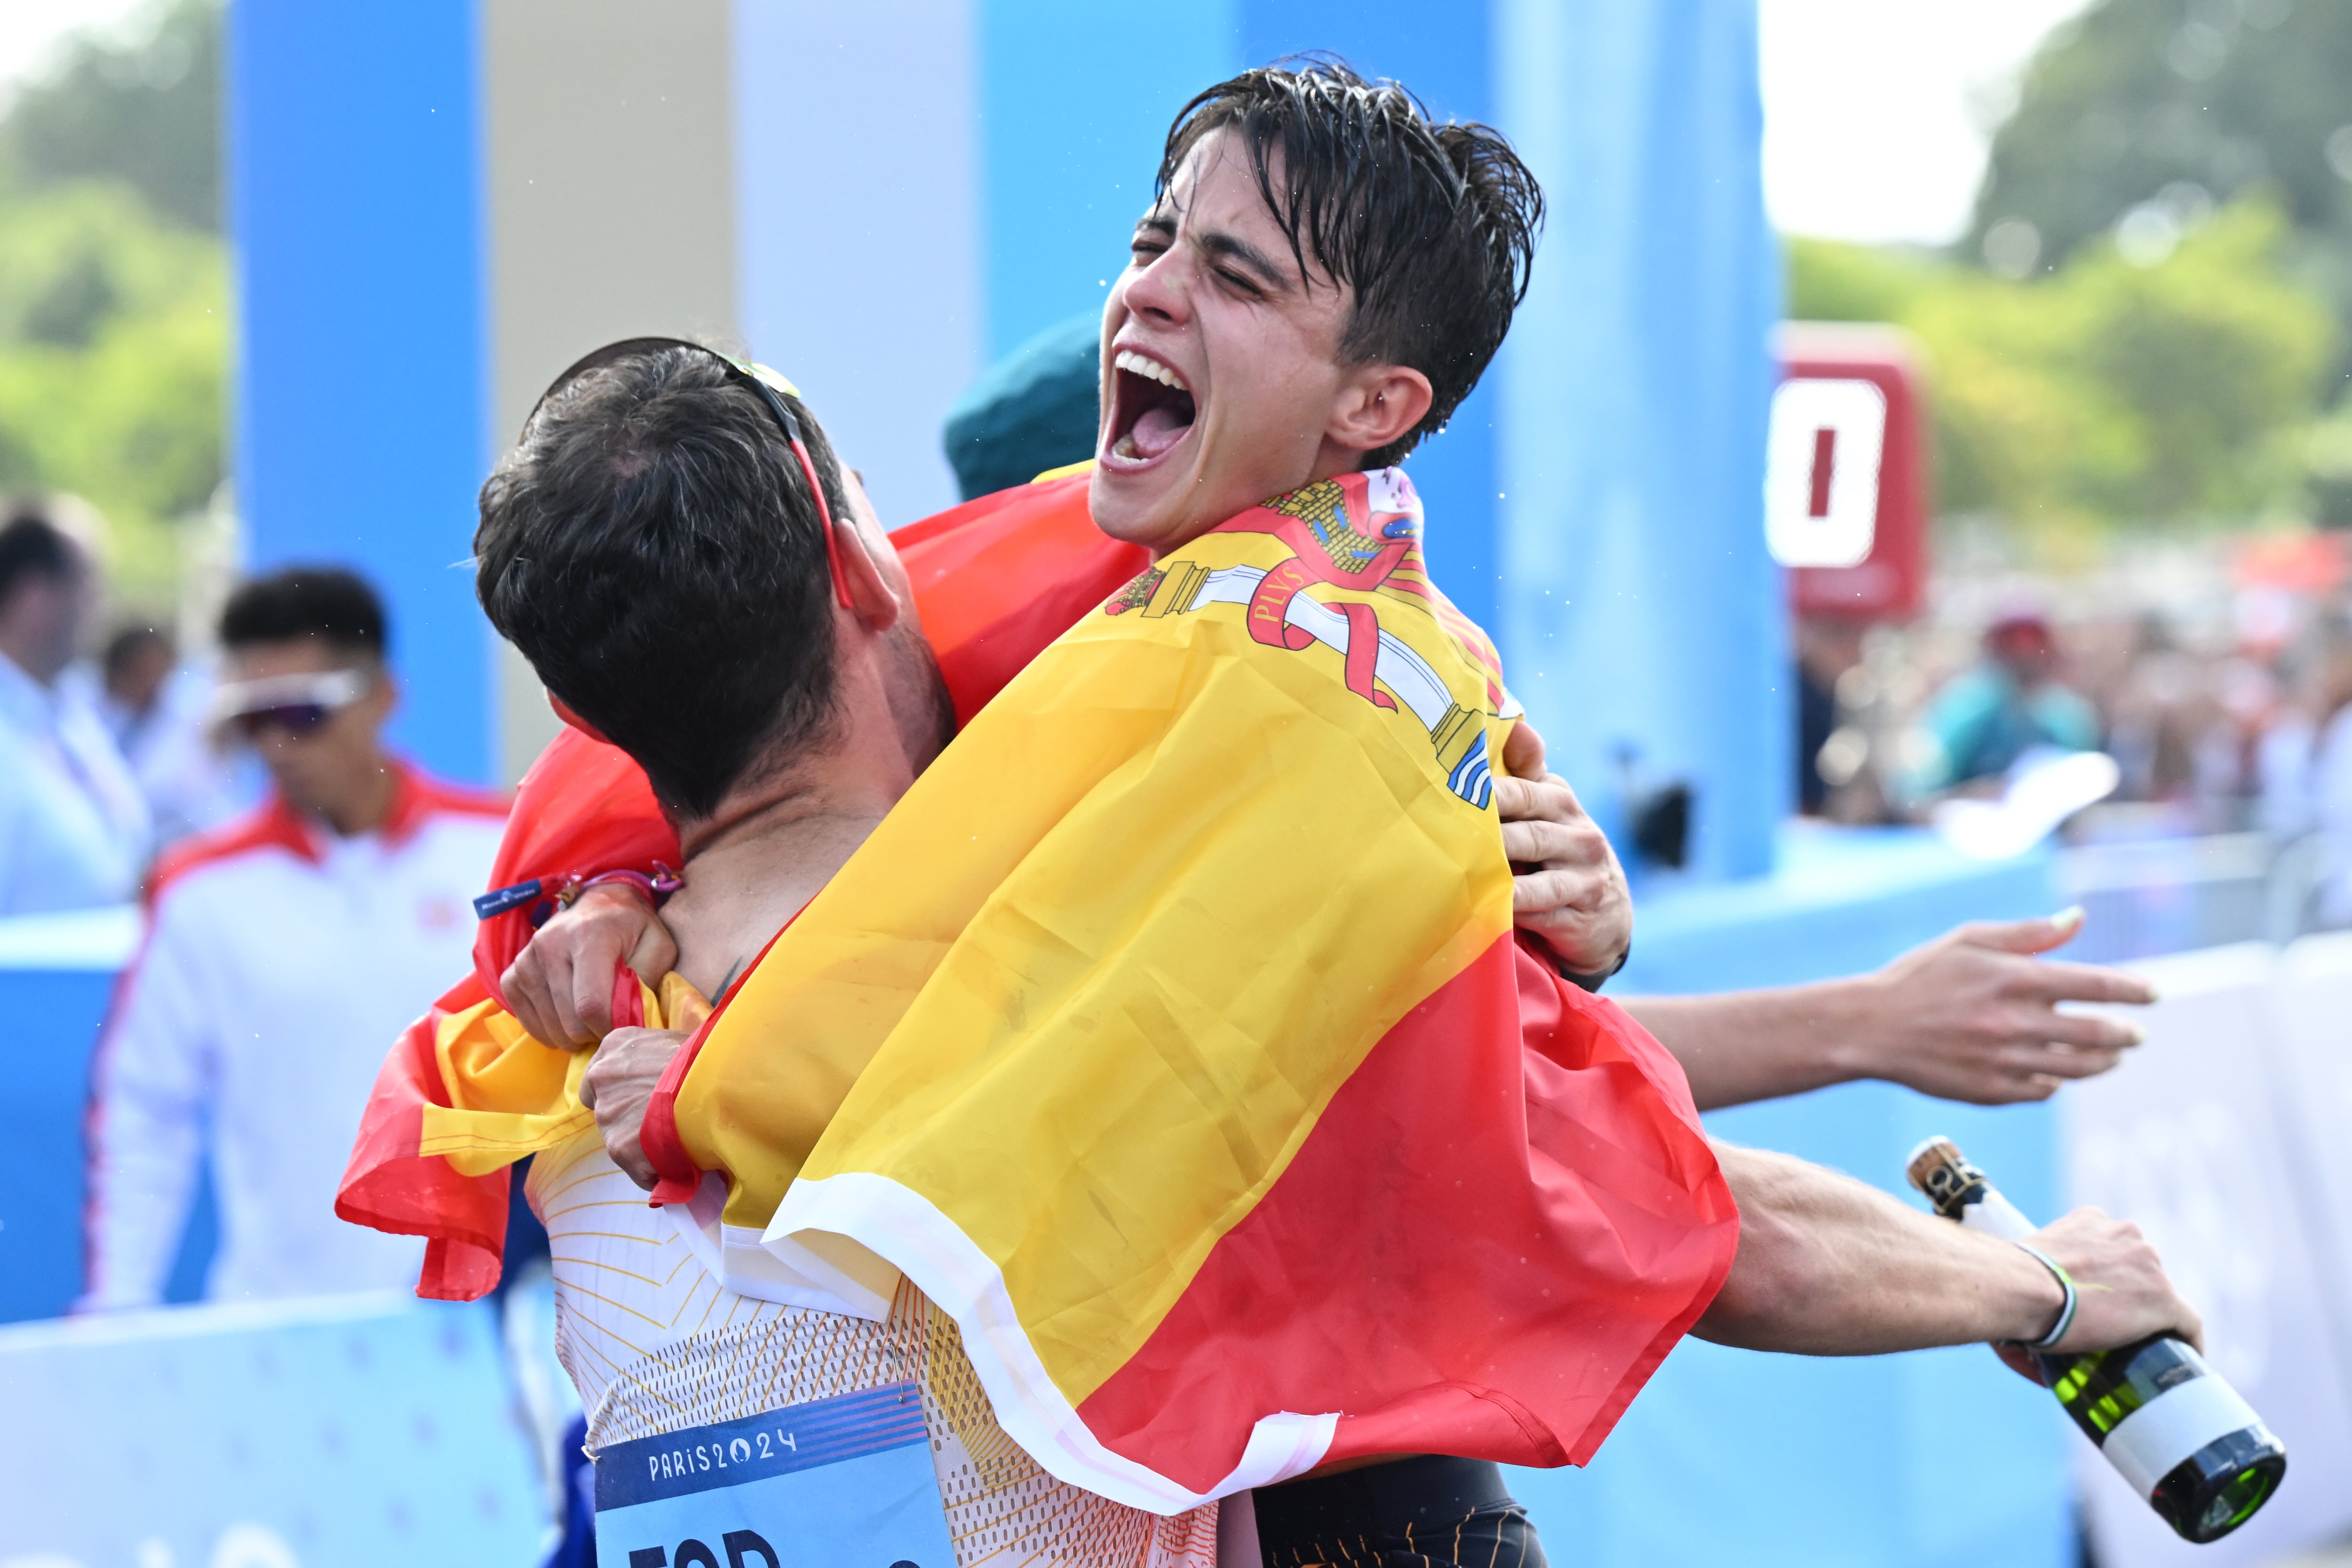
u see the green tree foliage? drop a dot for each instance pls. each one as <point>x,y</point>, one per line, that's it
<point>2107,391</point>
<point>146,113</point>
<point>114,309</point>
<point>2178,105</point>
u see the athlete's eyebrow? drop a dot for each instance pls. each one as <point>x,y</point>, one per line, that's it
<point>1225,247</point>
<point>1155,224</point>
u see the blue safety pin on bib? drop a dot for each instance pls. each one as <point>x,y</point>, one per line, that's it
<point>846,1482</point>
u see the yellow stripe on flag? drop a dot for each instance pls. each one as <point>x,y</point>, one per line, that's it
<point>511,1095</point>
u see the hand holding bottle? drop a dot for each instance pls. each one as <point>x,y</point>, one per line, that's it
<point>2122,1294</point>
<point>2123,1353</point>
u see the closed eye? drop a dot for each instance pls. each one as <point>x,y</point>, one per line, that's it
<point>1243,266</point>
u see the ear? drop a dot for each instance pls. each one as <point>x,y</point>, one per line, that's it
<point>1377,405</point>
<point>386,693</point>
<point>879,593</point>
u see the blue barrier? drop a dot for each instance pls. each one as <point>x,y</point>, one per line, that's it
<point>1934,1461</point>
<point>56,977</point>
<point>349,1431</point>
<point>1820,1462</point>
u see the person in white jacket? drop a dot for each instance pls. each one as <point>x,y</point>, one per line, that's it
<point>74,830</point>
<point>283,950</point>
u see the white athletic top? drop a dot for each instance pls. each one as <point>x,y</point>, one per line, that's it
<point>280,963</point>
<point>655,1344</point>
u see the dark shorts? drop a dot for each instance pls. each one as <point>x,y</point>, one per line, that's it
<point>1408,1513</point>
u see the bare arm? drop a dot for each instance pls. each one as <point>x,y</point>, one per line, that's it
<point>1827,1266</point>
<point>1971,1016</point>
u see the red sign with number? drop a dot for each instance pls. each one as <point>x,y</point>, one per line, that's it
<point>1845,481</point>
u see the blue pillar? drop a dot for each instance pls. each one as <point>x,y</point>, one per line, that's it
<point>1445,55</point>
<point>354,210</point>
<point>1075,96</point>
<point>1642,618</point>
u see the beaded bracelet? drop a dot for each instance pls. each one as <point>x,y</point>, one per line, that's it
<point>547,894</point>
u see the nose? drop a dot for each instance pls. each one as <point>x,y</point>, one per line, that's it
<point>1158,292</point>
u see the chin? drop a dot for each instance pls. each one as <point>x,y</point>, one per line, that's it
<point>1132,507</point>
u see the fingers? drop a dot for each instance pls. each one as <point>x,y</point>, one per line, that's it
<point>1535,799</point>
<point>2087,1031</point>
<point>563,999</point>
<point>2191,1327</point>
<point>2056,1065</point>
<point>1514,801</point>
<point>619,1086</point>
<point>1554,843</point>
<point>2024,1074</point>
<point>2024,936</point>
<point>2121,1290</point>
<point>1549,799</point>
<point>656,953</point>
<point>544,1000</point>
<point>591,993</point>
<point>1553,890</point>
<point>2087,983</point>
<point>1991,1087</point>
<point>630,1155</point>
<point>537,991</point>
<point>1522,752</point>
<point>560,986</point>
<point>2015,1358</point>
<point>520,984</point>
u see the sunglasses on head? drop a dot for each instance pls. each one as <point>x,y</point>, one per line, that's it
<point>772,389</point>
<point>298,704</point>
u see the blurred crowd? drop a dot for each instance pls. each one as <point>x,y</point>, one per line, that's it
<point>306,891</point>
<point>111,760</point>
<point>2223,689</point>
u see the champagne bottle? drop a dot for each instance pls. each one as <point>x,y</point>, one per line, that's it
<point>2171,1426</point>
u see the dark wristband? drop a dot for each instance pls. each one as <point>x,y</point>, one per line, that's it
<point>1593,982</point>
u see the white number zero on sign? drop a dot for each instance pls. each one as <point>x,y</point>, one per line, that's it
<point>1820,472</point>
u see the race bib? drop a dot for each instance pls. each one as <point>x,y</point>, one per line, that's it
<point>845,1482</point>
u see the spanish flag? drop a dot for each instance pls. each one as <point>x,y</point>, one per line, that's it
<point>1170,1035</point>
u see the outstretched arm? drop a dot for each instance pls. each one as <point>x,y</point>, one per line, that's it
<point>1971,1016</point>
<point>1827,1266</point>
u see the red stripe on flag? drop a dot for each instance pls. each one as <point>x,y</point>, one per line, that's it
<point>1498,1229</point>
<point>391,1187</point>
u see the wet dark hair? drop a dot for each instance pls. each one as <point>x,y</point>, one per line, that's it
<point>326,602</point>
<point>652,548</point>
<point>31,546</point>
<point>1432,224</point>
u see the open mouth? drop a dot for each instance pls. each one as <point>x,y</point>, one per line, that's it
<point>1153,411</point>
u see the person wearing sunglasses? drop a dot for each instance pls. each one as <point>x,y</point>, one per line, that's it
<point>281,950</point>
